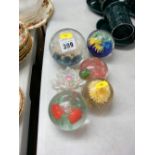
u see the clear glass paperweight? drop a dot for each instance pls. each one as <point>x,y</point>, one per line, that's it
<point>67,79</point>
<point>68,110</point>
<point>68,47</point>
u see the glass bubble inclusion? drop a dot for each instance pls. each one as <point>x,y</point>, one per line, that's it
<point>68,47</point>
<point>92,68</point>
<point>100,43</point>
<point>68,110</point>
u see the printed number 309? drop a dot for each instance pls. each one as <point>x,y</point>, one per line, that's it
<point>68,45</point>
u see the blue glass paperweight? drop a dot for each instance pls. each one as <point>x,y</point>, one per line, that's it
<point>100,43</point>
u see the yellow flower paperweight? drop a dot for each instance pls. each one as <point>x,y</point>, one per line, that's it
<point>97,92</point>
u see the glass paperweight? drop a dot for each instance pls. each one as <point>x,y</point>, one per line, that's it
<point>92,68</point>
<point>68,47</point>
<point>97,92</point>
<point>68,110</point>
<point>100,43</point>
<point>67,79</point>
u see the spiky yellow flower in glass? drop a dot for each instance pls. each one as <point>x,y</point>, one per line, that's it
<point>98,48</point>
<point>96,43</point>
<point>93,41</point>
<point>99,91</point>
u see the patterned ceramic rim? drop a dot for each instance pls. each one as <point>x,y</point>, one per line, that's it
<point>44,13</point>
<point>21,102</point>
<point>27,50</point>
<point>23,35</point>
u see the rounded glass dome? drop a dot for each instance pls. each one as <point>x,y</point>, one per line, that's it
<point>100,43</point>
<point>97,92</point>
<point>68,47</point>
<point>68,110</point>
<point>92,68</point>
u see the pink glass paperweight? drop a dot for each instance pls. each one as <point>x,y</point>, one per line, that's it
<point>92,68</point>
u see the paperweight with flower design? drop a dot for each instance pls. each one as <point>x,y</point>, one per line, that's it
<point>68,110</point>
<point>100,43</point>
<point>92,68</point>
<point>97,92</point>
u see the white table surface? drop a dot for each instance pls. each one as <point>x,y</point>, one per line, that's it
<point>111,133</point>
<point>25,70</point>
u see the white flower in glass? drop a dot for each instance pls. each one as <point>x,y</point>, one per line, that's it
<point>67,79</point>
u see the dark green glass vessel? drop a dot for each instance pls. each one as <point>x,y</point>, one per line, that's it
<point>116,20</point>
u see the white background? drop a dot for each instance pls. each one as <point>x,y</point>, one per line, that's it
<point>9,81</point>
